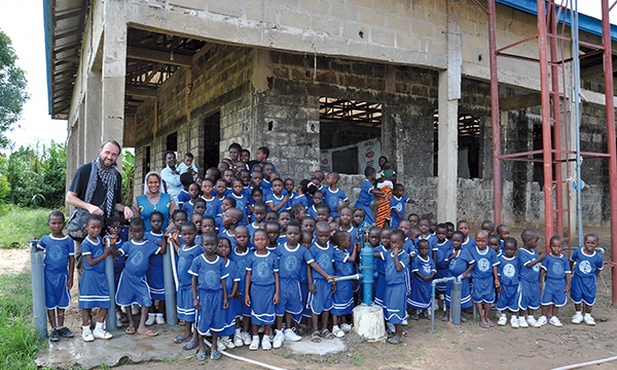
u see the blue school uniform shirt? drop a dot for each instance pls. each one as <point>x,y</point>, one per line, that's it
<point>312,211</point>
<point>423,266</point>
<point>432,242</point>
<point>232,275</point>
<point>443,251</point>
<point>459,263</point>
<point>343,265</point>
<point>138,256</point>
<point>301,199</point>
<point>324,257</point>
<point>468,243</point>
<point>240,259</point>
<point>485,260</point>
<point>585,265</point>
<point>209,273</point>
<point>392,275</point>
<point>353,233</point>
<point>365,197</point>
<point>185,259</point>
<point>184,196</point>
<point>526,257</point>
<point>241,203</point>
<point>273,200</point>
<point>57,253</point>
<point>292,261</point>
<point>188,208</point>
<point>262,267</point>
<point>509,269</point>
<point>399,205</point>
<point>332,198</point>
<point>95,250</point>
<point>213,207</point>
<point>252,228</point>
<point>556,267</point>
<point>410,247</point>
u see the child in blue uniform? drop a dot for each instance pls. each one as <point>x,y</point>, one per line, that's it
<point>263,289</point>
<point>344,265</point>
<point>320,288</point>
<point>184,296</point>
<point>556,275</point>
<point>529,282</point>
<point>241,198</point>
<point>318,198</point>
<point>397,205</point>
<point>397,284</point>
<point>213,204</point>
<point>423,271</point>
<point>587,265</point>
<point>132,287</point>
<point>509,278</point>
<point>239,255</point>
<point>59,267</point>
<point>334,195</point>
<point>93,287</point>
<point>441,252</point>
<point>277,201</point>
<point>258,216</point>
<point>154,275</point>
<point>459,264</point>
<point>485,277</point>
<point>223,250</point>
<point>365,197</point>
<point>209,294</point>
<point>379,240</point>
<point>463,226</point>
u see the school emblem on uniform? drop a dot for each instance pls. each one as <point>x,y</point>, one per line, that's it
<point>426,269</point>
<point>211,279</point>
<point>509,270</point>
<point>558,269</point>
<point>324,260</point>
<point>138,258</point>
<point>536,267</point>
<point>399,207</point>
<point>484,265</point>
<point>291,264</point>
<point>585,267</point>
<point>262,269</point>
<point>54,253</point>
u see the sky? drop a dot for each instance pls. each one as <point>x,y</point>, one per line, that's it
<point>36,125</point>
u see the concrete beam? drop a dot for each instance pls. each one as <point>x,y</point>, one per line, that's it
<point>520,101</point>
<point>157,56</point>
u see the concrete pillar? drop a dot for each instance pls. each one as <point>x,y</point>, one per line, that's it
<point>449,94</point>
<point>113,71</point>
<point>92,108</point>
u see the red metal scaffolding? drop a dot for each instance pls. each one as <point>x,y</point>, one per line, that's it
<point>553,45</point>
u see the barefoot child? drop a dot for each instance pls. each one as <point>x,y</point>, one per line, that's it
<point>59,254</point>
<point>93,287</point>
<point>587,264</point>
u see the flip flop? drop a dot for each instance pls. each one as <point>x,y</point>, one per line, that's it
<point>130,330</point>
<point>316,337</point>
<point>395,340</point>
<point>180,339</point>
<point>485,326</point>
<point>189,346</point>
<point>405,333</point>
<point>215,355</point>
<point>201,356</point>
<point>148,333</point>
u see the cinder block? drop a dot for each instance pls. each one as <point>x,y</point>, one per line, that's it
<point>295,19</point>
<point>191,4</point>
<point>233,8</point>
<point>383,36</point>
<point>315,6</point>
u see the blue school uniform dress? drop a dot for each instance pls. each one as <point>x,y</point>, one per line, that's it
<point>242,202</point>
<point>213,207</point>
<point>332,198</point>
<point>342,298</point>
<point>509,279</point>
<point>233,304</point>
<point>483,289</point>
<point>291,263</point>
<point>93,287</point>
<point>380,284</point>
<point>119,263</point>
<point>397,287</point>
<point>554,291</point>
<point>443,251</point>
<point>146,208</point>
<point>529,280</point>
<point>365,198</point>
<point>399,205</point>
<point>273,201</point>
<point>210,316</point>
<point>132,287</point>
<point>456,267</point>
<point>583,287</point>
<point>304,291</point>
<point>322,299</point>
<point>240,260</point>
<point>262,290</point>
<point>57,253</point>
<point>420,295</point>
<point>154,275</point>
<point>184,295</point>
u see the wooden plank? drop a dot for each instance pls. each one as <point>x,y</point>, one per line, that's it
<point>144,92</point>
<point>165,57</point>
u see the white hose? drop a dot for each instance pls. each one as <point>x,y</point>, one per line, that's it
<point>583,364</point>
<point>240,358</point>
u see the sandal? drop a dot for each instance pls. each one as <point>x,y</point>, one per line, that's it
<point>201,356</point>
<point>484,326</point>
<point>395,340</point>
<point>316,337</point>
<point>405,333</point>
<point>215,355</point>
<point>180,339</point>
<point>130,330</point>
<point>327,334</point>
<point>148,333</point>
<point>189,346</point>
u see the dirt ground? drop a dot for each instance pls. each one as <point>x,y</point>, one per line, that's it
<point>448,347</point>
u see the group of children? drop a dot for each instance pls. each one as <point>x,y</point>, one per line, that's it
<point>252,252</point>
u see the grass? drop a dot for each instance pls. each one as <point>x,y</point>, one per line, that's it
<point>19,225</point>
<point>18,340</point>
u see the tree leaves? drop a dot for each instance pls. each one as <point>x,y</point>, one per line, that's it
<point>13,93</point>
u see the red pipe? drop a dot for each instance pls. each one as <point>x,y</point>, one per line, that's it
<point>610,138</point>
<point>547,155</point>
<point>496,141</point>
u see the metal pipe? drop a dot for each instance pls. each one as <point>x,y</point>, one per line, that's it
<point>39,308</point>
<point>110,320</point>
<point>170,287</point>
<point>585,364</point>
<point>350,277</point>
<point>433,284</point>
<point>367,269</point>
<point>610,137</point>
<point>455,305</point>
<point>576,65</point>
<point>546,123</point>
<point>495,124</point>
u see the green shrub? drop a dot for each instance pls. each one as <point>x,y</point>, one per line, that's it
<point>19,225</point>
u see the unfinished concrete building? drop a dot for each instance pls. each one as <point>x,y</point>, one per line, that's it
<point>317,81</point>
